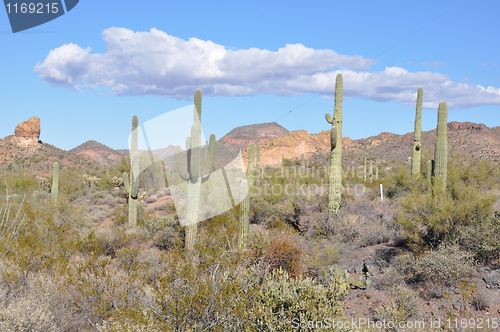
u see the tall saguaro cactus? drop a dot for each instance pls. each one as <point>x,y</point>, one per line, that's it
<point>335,163</point>
<point>258,165</point>
<point>195,173</point>
<point>417,147</point>
<point>130,183</point>
<point>245,188</point>
<point>55,183</point>
<point>441,151</point>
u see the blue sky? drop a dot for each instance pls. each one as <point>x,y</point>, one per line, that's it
<point>87,72</point>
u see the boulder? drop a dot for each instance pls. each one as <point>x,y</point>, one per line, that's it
<point>28,129</point>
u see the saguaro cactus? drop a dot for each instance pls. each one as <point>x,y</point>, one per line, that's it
<point>441,151</point>
<point>335,163</point>
<point>195,173</point>
<point>246,187</point>
<point>417,147</point>
<point>370,171</point>
<point>130,183</point>
<point>55,183</point>
<point>258,166</point>
<point>430,166</point>
<point>364,170</point>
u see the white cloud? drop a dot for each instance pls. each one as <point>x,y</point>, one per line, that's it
<point>155,63</point>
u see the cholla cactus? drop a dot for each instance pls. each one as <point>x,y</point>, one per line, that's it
<point>117,182</point>
<point>43,183</point>
<point>90,181</point>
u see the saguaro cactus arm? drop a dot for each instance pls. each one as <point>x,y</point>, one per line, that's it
<point>329,118</point>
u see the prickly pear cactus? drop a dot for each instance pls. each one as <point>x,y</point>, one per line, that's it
<point>335,162</point>
<point>417,147</point>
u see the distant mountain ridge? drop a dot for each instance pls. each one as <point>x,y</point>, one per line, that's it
<point>476,140</point>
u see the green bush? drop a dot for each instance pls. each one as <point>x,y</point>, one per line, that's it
<point>443,216</point>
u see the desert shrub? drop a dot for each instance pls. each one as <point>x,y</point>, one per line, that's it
<point>480,302</point>
<point>323,255</point>
<point>444,266</point>
<point>70,183</point>
<point>447,265</point>
<point>165,232</point>
<point>382,257</point>
<point>399,182</point>
<point>391,278</point>
<point>97,213</point>
<point>26,314</point>
<point>279,248</point>
<point>361,233</point>
<point>273,214</point>
<point>431,219</point>
<point>483,239</point>
<point>283,303</point>
<point>403,305</point>
<point>18,183</point>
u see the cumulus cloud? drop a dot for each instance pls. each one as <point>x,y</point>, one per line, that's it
<point>155,63</point>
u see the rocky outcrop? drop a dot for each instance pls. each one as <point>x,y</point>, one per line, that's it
<point>24,142</point>
<point>454,125</point>
<point>28,129</point>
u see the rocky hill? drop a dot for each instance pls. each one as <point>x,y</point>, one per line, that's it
<point>239,138</point>
<point>98,153</point>
<point>476,140</point>
<point>24,151</point>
